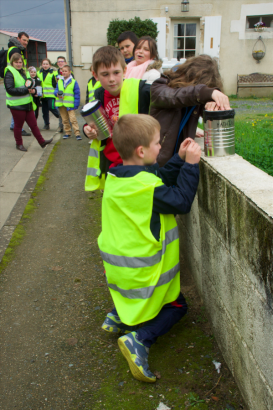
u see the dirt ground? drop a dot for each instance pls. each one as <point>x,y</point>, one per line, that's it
<point>53,300</point>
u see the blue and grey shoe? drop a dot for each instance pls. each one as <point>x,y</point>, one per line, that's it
<point>66,136</point>
<point>113,324</point>
<point>136,355</point>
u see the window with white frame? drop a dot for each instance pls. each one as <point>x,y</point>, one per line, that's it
<point>267,20</point>
<point>184,40</point>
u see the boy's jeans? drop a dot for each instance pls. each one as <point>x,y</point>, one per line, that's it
<point>169,315</point>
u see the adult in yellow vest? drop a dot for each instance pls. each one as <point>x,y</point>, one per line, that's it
<point>18,45</point>
<point>20,102</point>
<point>68,98</point>
<point>139,241</point>
<point>48,79</point>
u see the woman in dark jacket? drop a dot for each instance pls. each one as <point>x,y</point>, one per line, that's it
<point>183,92</point>
<point>20,103</point>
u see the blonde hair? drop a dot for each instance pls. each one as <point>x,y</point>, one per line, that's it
<point>16,57</point>
<point>67,66</point>
<point>132,131</point>
<point>196,70</point>
<point>107,56</point>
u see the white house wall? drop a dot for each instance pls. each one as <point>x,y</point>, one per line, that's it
<point>90,20</point>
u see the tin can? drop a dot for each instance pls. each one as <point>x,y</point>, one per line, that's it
<point>219,133</point>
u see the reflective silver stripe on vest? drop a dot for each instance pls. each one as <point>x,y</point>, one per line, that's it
<point>49,93</point>
<point>68,95</point>
<point>145,293</point>
<point>140,262</point>
<point>92,172</point>
<point>48,88</point>
<point>93,153</point>
<point>17,98</point>
<point>66,102</point>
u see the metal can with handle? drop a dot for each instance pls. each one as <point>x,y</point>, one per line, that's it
<point>219,133</point>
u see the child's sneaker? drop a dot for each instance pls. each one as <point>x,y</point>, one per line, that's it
<point>113,324</point>
<point>66,136</point>
<point>78,137</point>
<point>136,355</point>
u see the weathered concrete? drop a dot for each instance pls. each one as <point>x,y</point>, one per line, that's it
<point>227,245</point>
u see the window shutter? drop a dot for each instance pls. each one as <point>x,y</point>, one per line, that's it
<point>161,37</point>
<point>212,36</point>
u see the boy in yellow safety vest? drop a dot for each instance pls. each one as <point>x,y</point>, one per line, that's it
<point>118,97</point>
<point>68,97</point>
<point>139,242</point>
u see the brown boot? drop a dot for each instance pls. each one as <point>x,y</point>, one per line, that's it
<point>21,148</point>
<point>43,144</point>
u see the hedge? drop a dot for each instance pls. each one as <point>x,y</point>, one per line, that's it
<point>139,27</point>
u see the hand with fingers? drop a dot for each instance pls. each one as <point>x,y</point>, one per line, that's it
<point>183,148</point>
<point>91,131</point>
<point>221,102</point>
<point>193,153</point>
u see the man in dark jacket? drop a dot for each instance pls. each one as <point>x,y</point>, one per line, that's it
<point>18,45</point>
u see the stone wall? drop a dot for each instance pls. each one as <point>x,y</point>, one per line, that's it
<point>227,245</point>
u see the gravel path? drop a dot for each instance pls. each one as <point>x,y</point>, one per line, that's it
<point>53,299</point>
<point>252,106</point>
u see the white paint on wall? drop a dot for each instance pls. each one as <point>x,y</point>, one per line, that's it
<point>212,36</point>
<point>239,26</point>
<point>161,38</point>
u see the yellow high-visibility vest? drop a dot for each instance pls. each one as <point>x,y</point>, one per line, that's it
<point>128,104</point>
<point>143,274</point>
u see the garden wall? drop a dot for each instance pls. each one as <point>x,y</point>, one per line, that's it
<point>227,246</point>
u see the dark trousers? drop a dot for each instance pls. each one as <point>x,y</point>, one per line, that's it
<point>169,315</point>
<point>48,104</point>
<point>19,118</point>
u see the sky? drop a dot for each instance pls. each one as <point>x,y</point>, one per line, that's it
<point>32,14</point>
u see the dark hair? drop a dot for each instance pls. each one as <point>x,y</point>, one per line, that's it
<point>46,59</point>
<point>196,70</point>
<point>22,33</point>
<point>152,46</point>
<point>128,35</point>
<point>107,56</point>
<point>61,57</point>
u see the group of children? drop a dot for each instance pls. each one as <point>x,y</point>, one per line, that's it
<point>60,95</point>
<point>139,242</point>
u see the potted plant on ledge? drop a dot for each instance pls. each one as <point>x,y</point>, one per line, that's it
<point>260,26</point>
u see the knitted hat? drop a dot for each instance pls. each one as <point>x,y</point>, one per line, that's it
<point>32,69</point>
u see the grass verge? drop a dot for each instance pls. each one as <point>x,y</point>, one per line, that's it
<point>254,140</point>
<point>20,230</point>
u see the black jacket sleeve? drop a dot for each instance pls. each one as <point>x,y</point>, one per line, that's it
<point>54,82</point>
<point>9,85</point>
<point>144,97</point>
<point>177,199</point>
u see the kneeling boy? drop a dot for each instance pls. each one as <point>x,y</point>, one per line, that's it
<point>139,241</point>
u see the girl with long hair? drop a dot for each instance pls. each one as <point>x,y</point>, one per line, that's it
<point>178,98</point>
<point>146,65</point>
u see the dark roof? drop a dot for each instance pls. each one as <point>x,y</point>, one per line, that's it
<point>55,38</point>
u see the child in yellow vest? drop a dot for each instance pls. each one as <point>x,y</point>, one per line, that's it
<point>118,97</point>
<point>139,241</point>
<point>67,95</point>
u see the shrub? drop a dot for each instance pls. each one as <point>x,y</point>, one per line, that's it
<point>139,27</point>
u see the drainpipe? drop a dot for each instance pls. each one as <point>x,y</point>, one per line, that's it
<point>68,25</point>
